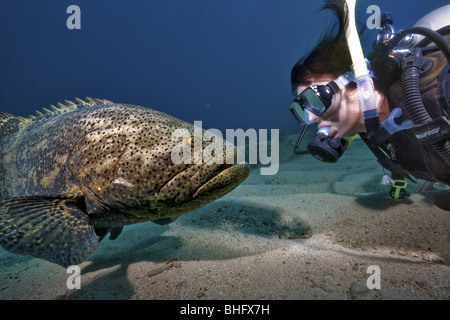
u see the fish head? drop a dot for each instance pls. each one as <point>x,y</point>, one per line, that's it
<point>152,166</point>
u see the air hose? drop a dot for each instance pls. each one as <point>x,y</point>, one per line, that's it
<point>414,107</point>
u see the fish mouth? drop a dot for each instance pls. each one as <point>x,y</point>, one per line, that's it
<point>227,176</point>
<point>202,180</point>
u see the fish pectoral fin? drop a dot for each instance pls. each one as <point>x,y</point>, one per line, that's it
<point>54,228</point>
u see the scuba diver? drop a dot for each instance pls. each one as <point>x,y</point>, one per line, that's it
<point>397,100</point>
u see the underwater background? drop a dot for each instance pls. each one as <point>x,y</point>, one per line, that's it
<point>226,63</point>
<point>311,231</point>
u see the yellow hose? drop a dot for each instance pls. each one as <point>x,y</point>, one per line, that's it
<point>362,77</point>
<point>354,45</point>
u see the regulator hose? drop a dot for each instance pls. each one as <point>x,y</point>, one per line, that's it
<point>414,107</point>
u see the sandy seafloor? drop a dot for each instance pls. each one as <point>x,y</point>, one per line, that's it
<point>308,232</point>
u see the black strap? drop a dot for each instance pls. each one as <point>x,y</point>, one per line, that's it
<point>386,162</point>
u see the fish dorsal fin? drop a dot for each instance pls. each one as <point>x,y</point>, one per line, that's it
<point>10,123</point>
<point>65,107</point>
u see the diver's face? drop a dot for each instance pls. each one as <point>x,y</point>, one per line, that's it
<point>344,116</point>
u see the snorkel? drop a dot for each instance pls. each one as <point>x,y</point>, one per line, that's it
<point>363,80</point>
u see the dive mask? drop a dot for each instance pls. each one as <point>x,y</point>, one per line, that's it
<point>317,99</point>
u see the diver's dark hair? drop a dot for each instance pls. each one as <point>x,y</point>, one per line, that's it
<point>331,55</point>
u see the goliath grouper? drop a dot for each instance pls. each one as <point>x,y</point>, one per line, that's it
<point>70,175</point>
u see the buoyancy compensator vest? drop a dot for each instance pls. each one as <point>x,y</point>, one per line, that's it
<point>423,94</point>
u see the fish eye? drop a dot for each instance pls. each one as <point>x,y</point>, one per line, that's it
<point>192,140</point>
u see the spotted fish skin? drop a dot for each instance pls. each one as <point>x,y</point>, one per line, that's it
<point>75,172</point>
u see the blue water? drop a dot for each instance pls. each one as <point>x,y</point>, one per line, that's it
<point>225,62</point>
